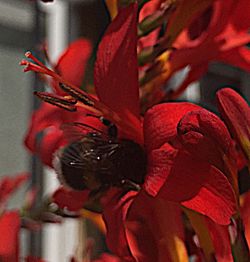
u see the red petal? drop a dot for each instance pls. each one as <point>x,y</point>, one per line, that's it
<point>44,117</point>
<point>70,199</point>
<point>236,113</point>
<point>221,241</point>
<point>114,215</point>
<point>215,43</point>
<point>107,258</point>
<point>160,162</point>
<point>215,194</point>
<point>160,123</point>
<point>33,259</point>
<point>245,213</point>
<point>50,143</point>
<point>9,237</point>
<point>160,223</point>
<point>240,15</point>
<point>148,228</point>
<point>239,57</point>
<point>72,63</point>
<point>9,184</point>
<point>116,72</point>
<point>139,228</point>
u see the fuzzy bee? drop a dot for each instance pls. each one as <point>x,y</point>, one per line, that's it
<point>96,161</point>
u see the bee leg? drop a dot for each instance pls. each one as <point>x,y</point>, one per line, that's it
<point>128,184</point>
<point>112,128</point>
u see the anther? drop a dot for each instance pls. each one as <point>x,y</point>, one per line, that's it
<point>57,101</point>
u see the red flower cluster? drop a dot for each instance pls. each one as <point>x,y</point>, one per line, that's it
<point>212,31</point>
<point>191,158</point>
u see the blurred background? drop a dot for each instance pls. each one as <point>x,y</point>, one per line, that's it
<point>24,25</point>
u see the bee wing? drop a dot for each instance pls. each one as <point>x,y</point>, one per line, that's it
<point>76,131</point>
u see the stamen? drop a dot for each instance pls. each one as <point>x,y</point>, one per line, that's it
<point>66,104</point>
<point>84,98</point>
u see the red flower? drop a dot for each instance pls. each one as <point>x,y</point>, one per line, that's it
<point>185,145</point>
<point>142,228</point>
<point>217,34</point>
<point>178,139</point>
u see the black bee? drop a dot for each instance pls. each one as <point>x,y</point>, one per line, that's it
<point>97,162</point>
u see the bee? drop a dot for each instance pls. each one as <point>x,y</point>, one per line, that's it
<point>97,162</point>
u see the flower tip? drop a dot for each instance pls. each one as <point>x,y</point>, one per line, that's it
<point>28,54</point>
<point>26,64</point>
<point>225,92</point>
<point>23,62</point>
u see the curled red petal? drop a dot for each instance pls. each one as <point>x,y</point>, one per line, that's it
<point>160,123</point>
<point>116,72</point>
<point>9,237</point>
<point>205,136</point>
<point>70,199</point>
<point>193,183</point>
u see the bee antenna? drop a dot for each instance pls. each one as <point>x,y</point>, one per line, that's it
<point>82,125</point>
<point>130,185</point>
